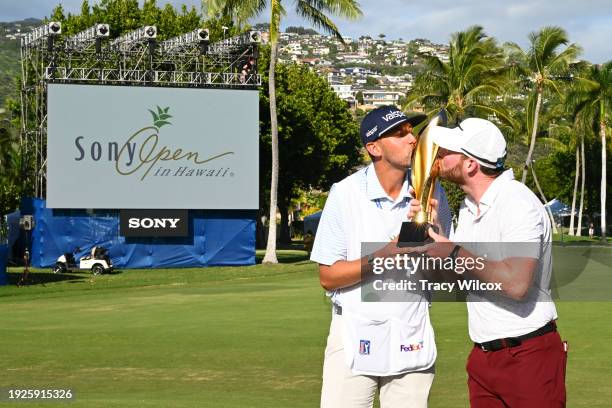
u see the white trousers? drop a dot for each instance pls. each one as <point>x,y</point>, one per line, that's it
<point>343,389</point>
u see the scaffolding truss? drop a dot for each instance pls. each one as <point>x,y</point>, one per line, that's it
<point>134,59</point>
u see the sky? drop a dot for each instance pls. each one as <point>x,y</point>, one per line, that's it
<point>588,22</point>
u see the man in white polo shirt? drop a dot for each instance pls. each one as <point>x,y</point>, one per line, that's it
<point>518,359</point>
<point>385,347</point>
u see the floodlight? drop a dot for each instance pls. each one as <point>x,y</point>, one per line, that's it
<point>255,36</point>
<point>55,28</point>
<point>102,30</point>
<point>203,34</point>
<point>129,40</point>
<point>235,43</point>
<point>180,43</point>
<point>51,29</point>
<point>150,31</point>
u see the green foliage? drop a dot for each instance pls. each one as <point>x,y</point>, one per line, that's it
<point>315,12</point>
<point>127,15</point>
<point>10,68</point>
<point>466,85</point>
<point>301,30</point>
<point>454,194</point>
<point>9,165</point>
<point>359,97</point>
<point>371,81</point>
<point>312,201</point>
<point>318,139</point>
<point>10,194</point>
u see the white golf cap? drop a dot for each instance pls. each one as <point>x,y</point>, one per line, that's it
<point>476,138</point>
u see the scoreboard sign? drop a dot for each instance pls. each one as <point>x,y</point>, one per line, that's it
<point>152,148</point>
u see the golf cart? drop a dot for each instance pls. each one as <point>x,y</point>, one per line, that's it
<point>97,261</point>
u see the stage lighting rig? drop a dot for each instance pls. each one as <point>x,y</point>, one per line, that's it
<point>178,44</point>
<point>229,44</point>
<point>92,35</point>
<point>128,41</point>
<point>49,30</point>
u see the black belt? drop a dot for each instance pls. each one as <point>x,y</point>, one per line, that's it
<point>499,344</point>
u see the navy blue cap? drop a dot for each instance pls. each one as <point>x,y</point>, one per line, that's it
<point>384,119</point>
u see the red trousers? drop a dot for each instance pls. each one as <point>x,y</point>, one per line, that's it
<point>531,375</point>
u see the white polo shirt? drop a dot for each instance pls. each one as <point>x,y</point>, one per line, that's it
<point>331,241</point>
<point>359,211</point>
<point>508,212</point>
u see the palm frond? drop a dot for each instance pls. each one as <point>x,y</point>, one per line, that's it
<point>316,17</point>
<point>343,8</point>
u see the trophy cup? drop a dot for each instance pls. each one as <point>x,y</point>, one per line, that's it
<point>424,173</point>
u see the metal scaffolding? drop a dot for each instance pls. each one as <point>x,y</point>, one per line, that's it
<point>134,59</point>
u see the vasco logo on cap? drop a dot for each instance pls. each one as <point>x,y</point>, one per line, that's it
<point>393,115</point>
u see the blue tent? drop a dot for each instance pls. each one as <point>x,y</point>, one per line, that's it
<point>216,238</point>
<point>311,222</point>
<point>3,261</point>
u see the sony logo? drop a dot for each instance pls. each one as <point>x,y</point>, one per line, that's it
<point>153,222</point>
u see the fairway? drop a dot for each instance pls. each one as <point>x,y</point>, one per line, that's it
<point>227,337</point>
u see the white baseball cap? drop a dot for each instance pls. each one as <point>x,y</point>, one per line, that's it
<point>476,138</point>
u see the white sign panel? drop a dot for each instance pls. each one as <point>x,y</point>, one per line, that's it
<point>136,147</point>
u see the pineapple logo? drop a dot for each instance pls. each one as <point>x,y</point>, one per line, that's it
<point>160,118</point>
<point>146,141</point>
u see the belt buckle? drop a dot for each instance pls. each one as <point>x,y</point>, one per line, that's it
<point>484,348</point>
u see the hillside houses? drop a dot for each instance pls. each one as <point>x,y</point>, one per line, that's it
<point>380,72</point>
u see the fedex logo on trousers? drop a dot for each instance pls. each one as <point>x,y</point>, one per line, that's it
<point>411,347</point>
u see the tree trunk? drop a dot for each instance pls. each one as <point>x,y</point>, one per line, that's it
<point>579,230</point>
<point>285,236</point>
<point>550,214</point>
<point>534,132</point>
<point>602,132</point>
<point>270,256</point>
<point>576,177</point>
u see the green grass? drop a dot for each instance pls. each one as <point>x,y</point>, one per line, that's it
<point>584,239</point>
<point>226,337</point>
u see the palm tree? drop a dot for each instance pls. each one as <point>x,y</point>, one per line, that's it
<point>544,67</point>
<point>314,11</point>
<point>468,83</point>
<point>592,96</point>
<point>575,192</point>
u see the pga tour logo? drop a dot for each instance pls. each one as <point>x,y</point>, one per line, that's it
<point>364,347</point>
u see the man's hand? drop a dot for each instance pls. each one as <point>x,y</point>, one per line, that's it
<point>415,207</point>
<point>440,248</point>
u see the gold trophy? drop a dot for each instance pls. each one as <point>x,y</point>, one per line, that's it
<point>424,173</point>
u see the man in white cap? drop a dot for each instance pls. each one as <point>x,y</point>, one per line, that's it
<point>518,359</point>
<point>374,347</point>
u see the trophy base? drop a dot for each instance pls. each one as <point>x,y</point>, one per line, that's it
<point>415,234</point>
